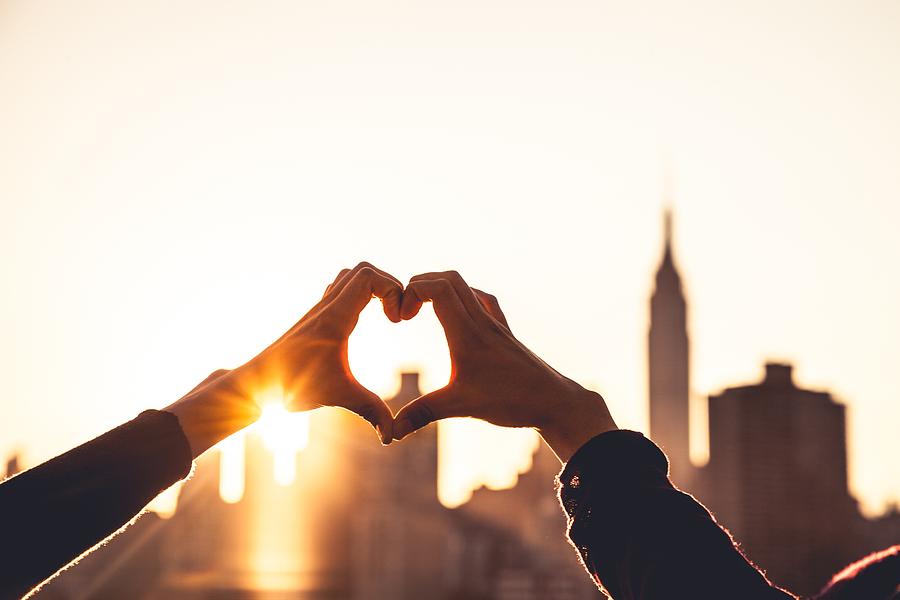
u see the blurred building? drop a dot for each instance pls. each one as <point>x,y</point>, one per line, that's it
<point>778,478</point>
<point>669,356</point>
<point>777,472</point>
<point>530,518</point>
<point>359,521</point>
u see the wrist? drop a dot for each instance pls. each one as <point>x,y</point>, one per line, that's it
<point>578,416</point>
<point>209,415</point>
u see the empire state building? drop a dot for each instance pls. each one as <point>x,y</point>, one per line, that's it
<point>669,365</point>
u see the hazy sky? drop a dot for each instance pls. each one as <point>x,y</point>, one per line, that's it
<point>179,181</point>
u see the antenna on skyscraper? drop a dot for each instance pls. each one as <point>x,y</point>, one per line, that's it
<point>667,191</point>
<point>667,225</point>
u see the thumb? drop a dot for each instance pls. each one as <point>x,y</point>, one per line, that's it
<point>422,411</point>
<point>370,407</point>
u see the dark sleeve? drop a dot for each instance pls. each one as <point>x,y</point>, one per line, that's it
<point>53,513</point>
<point>641,538</point>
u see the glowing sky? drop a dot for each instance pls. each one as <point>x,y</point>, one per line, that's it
<point>179,182</point>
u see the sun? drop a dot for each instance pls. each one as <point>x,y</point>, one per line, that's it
<point>284,434</point>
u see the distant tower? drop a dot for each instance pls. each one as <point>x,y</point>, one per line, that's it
<point>416,462</point>
<point>778,477</point>
<point>12,466</point>
<point>669,365</point>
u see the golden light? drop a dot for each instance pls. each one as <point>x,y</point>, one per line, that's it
<point>284,435</point>
<point>165,504</point>
<point>231,468</point>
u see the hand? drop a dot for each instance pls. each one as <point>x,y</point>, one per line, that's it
<point>493,375</point>
<point>309,363</point>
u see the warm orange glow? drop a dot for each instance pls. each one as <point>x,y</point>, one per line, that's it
<point>231,468</point>
<point>344,156</point>
<point>284,435</point>
<point>166,503</point>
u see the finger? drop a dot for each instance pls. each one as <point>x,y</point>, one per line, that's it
<point>447,306</point>
<point>373,409</point>
<point>340,281</point>
<point>347,275</point>
<point>492,306</point>
<point>424,410</point>
<point>334,289</point>
<point>466,296</point>
<point>366,283</point>
<point>331,285</point>
<point>322,302</point>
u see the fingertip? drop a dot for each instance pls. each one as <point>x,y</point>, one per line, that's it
<point>402,428</point>
<point>410,305</point>
<point>393,307</point>
<point>408,312</point>
<point>385,434</point>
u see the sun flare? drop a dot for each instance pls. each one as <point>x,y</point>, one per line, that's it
<point>284,434</point>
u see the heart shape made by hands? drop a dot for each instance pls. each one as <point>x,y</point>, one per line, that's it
<point>379,348</point>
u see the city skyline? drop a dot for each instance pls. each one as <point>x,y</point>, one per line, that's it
<point>168,208</point>
<point>776,479</point>
<point>776,475</point>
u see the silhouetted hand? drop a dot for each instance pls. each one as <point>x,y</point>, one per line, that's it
<point>309,363</point>
<point>494,376</point>
<point>310,360</point>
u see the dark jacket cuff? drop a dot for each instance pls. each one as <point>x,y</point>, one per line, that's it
<point>162,432</point>
<point>609,460</point>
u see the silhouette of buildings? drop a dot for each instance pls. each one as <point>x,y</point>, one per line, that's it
<point>778,469</point>
<point>530,516</point>
<point>364,522</point>
<point>777,472</point>
<point>359,522</point>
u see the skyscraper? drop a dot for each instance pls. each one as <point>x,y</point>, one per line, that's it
<point>777,475</point>
<point>778,478</point>
<point>669,364</point>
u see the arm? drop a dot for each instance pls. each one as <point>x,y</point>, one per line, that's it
<point>55,512</point>
<point>639,537</point>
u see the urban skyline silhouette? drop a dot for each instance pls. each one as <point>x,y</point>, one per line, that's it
<point>776,478</point>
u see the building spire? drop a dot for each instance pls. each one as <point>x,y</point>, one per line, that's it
<point>667,277</point>
<point>667,227</point>
<point>667,190</point>
<point>668,259</point>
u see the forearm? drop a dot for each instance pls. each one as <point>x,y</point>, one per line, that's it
<point>577,416</point>
<point>214,411</point>
<point>643,539</point>
<point>53,513</point>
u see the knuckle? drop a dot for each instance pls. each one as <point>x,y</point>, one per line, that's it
<point>364,265</point>
<point>444,286</point>
<point>452,275</point>
<point>422,416</point>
